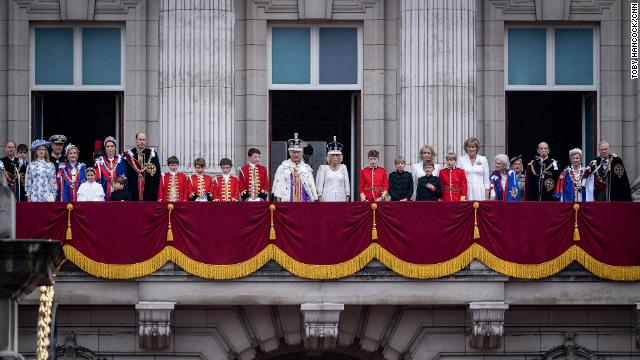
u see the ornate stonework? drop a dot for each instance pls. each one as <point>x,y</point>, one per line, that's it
<point>487,324</point>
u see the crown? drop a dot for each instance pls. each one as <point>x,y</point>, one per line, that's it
<point>294,144</point>
<point>334,147</point>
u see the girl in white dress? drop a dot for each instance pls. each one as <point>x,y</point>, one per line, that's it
<point>476,169</point>
<point>417,169</point>
<point>40,178</point>
<point>91,190</point>
<point>332,181</point>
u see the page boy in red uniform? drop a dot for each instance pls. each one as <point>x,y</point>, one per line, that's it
<point>173,184</point>
<point>374,185</point>
<point>200,184</point>
<point>453,180</point>
<point>254,180</point>
<point>226,187</point>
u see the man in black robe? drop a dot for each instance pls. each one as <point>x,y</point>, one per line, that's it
<point>143,171</point>
<point>607,177</point>
<point>541,176</point>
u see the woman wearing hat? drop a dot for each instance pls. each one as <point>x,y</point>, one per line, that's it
<point>40,179</point>
<point>332,181</point>
<point>71,174</point>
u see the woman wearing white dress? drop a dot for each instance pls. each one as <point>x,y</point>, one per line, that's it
<point>417,169</point>
<point>40,178</point>
<point>476,169</point>
<point>332,181</point>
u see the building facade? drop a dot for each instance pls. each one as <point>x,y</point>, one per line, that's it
<point>212,78</point>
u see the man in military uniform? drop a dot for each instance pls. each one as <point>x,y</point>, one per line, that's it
<point>12,164</point>
<point>57,145</point>
<point>143,171</point>
<point>541,176</point>
<point>607,177</point>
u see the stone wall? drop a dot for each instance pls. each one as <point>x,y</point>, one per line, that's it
<point>379,332</point>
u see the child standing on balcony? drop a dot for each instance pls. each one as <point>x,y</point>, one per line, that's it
<point>400,182</point>
<point>429,187</point>
<point>373,180</point>
<point>173,185</point>
<point>90,190</point>
<point>454,182</point>
<point>119,193</point>
<point>226,187</point>
<point>254,180</point>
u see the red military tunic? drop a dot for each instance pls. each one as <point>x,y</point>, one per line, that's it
<point>200,187</point>
<point>373,183</point>
<point>254,182</point>
<point>173,187</point>
<point>454,184</point>
<point>224,190</point>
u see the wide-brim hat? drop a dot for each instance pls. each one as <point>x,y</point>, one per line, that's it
<point>39,142</point>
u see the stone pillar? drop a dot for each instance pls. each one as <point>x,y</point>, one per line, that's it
<point>154,320</point>
<point>321,322</point>
<point>196,80</point>
<point>437,75</point>
<point>487,326</point>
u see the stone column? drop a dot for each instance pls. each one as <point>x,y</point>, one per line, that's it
<point>437,75</point>
<point>196,80</point>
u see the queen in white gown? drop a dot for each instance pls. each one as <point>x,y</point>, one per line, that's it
<point>476,169</point>
<point>332,181</point>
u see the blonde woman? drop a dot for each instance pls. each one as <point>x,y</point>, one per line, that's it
<point>332,181</point>
<point>476,169</point>
<point>417,169</point>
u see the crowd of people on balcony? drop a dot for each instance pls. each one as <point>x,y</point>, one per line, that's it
<point>135,175</point>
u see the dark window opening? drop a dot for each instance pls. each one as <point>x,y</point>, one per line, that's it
<point>83,117</point>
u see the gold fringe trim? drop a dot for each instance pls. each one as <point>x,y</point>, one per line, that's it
<point>333,271</point>
<point>69,234</point>
<point>349,267</point>
<point>221,272</point>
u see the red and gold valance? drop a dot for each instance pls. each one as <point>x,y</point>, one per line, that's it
<point>423,240</point>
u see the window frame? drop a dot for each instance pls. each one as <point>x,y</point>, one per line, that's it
<point>314,44</point>
<point>550,59</point>
<point>77,58</point>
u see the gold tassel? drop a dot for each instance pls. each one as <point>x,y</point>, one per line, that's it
<point>576,233</point>
<point>272,230</point>
<point>170,231</point>
<point>69,235</point>
<point>476,231</point>
<point>374,230</point>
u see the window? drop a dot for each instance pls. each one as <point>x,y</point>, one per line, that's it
<point>74,57</point>
<point>551,58</point>
<point>315,57</point>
